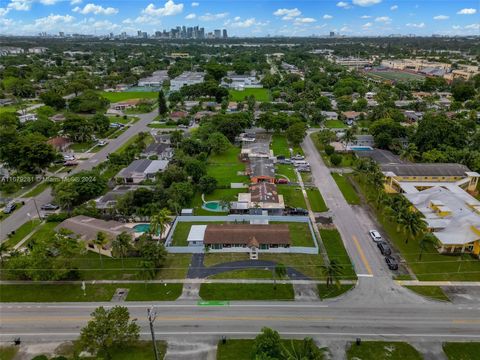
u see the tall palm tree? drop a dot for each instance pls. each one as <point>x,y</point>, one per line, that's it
<point>349,136</point>
<point>99,241</point>
<point>427,239</point>
<point>159,222</point>
<point>121,245</point>
<point>414,225</point>
<point>308,350</point>
<point>332,272</point>
<point>410,153</point>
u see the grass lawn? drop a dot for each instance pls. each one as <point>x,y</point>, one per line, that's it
<point>396,76</point>
<point>21,232</point>
<point>280,145</point>
<point>161,126</point>
<point>327,292</point>
<point>433,292</point>
<point>292,195</point>
<point>309,265</point>
<point>376,350</point>
<point>346,188</point>
<point>8,352</point>
<point>175,267</point>
<point>299,233</point>
<point>82,147</point>
<point>142,350</point>
<point>183,229</point>
<point>316,200</point>
<point>37,189</point>
<point>286,170</point>
<point>211,259</point>
<point>148,140</point>
<point>261,94</point>
<point>462,350</point>
<point>95,292</point>
<point>225,167</point>
<point>335,124</point>
<point>246,292</point>
<point>432,266</point>
<point>242,349</point>
<point>336,251</point>
<point>244,274</point>
<point>121,96</point>
<point>119,120</point>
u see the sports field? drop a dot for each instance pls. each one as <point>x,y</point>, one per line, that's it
<point>260,94</point>
<point>395,76</point>
<point>121,96</point>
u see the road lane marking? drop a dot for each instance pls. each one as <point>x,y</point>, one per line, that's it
<point>362,255</point>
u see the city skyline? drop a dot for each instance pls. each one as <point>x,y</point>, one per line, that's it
<point>279,18</point>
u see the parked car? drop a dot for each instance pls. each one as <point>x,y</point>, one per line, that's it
<point>281,157</point>
<point>102,142</point>
<point>298,157</point>
<point>297,211</point>
<point>68,157</point>
<point>11,206</point>
<point>375,235</point>
<point>49,207</point>
<point>384,248</point>
<point>70,163</point>
<point>298,163</point>
<point>281,181</point>
<point>284,161</point>
<point>391,262</point>
<point>303,168</point>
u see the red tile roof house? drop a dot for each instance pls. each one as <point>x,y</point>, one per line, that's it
<point>126,104</point>
<point>60,143</point>
<point>264,237</point>
<point>178,115</point>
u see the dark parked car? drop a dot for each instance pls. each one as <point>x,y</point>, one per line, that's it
<point>391,262</point>
<point>49,207</point>
<point>9,208</point>
<point>384,248</point>
<point>297,211</point>
<point>281,181</point>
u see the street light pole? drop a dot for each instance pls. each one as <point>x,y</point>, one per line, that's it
<point>152,314</point>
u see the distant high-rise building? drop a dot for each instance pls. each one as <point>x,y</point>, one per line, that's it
<point>61,34</point>
<point>139,33</point>
<point>225,33</point>
<point>217,33</point>
<point>332,34</point>
<point>201,34</point>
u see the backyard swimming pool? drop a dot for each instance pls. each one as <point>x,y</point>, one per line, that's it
<point>142,228</point>
<point>361,148</point>
<point>214,206</point>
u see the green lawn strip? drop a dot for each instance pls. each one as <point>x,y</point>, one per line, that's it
<point>335,124</point>
<point>306,177</point>
<point>81,147</point>
<point>175,267</point>
<point>316,200</point>
<point>212,259</point>
<point>3,216</point>
<point>299,233</point>
<point>346,188</point>
<point>433,292</point>
<point>308,265</point>
<point>244,274</point>
<point>21,232</point>
<point>433,265</point>
<point>242,349</point>
<point>375,350</point>
<point>37,189</point>
<point>225,167</point>
<point>161,126</point>
<point>326,292</point>
<point>286,170</point>
<point>336,251</point>
<point>127,95</point>
<point>292,196</point>
<point>462,350</point>
<point>8,352</point>
<point>8,108</point>
<point>280,145</point>
<point>246,292</point>
<point>44,232</point>
<point>260,94</point>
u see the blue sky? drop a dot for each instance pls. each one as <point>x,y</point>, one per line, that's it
<point>243,17</point>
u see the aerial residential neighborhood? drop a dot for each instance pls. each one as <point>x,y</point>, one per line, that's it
<point>240,180</point>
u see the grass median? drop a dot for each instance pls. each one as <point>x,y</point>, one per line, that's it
<point>375,350</point>
<point>246,292</point>
<point>346,188</point>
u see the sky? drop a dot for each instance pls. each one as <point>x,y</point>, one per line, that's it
<point>243,17</point>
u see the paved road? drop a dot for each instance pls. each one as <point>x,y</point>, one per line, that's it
<point>331,319</point>
<point>21,216</point>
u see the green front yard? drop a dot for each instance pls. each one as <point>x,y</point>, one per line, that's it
<point>336,251</point>
<point>226,167</point>
<point>260,94</point>
<point>346,188</point>
<point>244,274</point>
<point>433,292</point>
<point>292,195</point>
<point>280,145</point>
<point>286,170</point>
<point>308,265</point>
<point>316,200</point>
<point>246,292</point>
<point>335,124</point>
<point>376,350</point>
<point>299,234</point>
<point>462,350</point>
<point>21,232</point>
<point>93,292</point>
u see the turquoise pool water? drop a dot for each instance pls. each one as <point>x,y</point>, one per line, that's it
<point>142,228</point>
<point>360,148</point>
<point>213,206</point>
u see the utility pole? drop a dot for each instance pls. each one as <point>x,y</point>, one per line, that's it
<point>152,314</point>
<point>36,208</point>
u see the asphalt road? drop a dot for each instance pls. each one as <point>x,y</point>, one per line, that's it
<point>331,319</point>
<point>29,210</point>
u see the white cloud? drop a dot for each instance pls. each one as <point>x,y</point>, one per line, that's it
<point>3,11</point>
<point>195,4</point>
<point>75,2</point>
<point>343,4</point>
<point>367,25</point>
<point>394,7</point>
<point>95,9</point>
<point>365,17</point>
<point>20,5</point>
<point>473,27</point>
<point>288,14</point>
<point>169,9</point>
<point>366,2</point>
<point>418,26</point>
<point>304,20</point>
<point>327,17</point>
<point>211,17</point>
<point>48,2</point>
<point>467,11</point>
<point>243,24</point>
<point>441,17</point>
<point>190,16</point>
<point>384,19</point>
<point>52,20</point>
<point>456,27</point>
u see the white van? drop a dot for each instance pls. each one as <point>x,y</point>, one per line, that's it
<point>297,163</point>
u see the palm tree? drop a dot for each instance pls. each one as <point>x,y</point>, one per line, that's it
<point>348,137</point>
<point>99,241</point>
<point>427,239</point>
<point>3,251</point>
<point>158,222</point>
<point>279,271</point>
<point>308,350</point>
<point>121,245</point>
<point>414,225</point>
<point>332,272</point>
<point>410,153</point>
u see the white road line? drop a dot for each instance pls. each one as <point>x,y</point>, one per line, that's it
<point>364,275</point>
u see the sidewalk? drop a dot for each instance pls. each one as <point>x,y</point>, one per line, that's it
<point>437,283</point>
